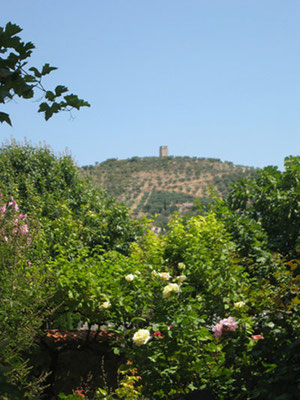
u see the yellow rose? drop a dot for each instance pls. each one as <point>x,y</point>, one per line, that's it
<point>142,336</point>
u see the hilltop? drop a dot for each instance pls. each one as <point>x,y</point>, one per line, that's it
<point>152,185</point>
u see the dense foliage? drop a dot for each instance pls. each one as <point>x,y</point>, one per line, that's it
<point>273,200</point>
<point>210,305</point>
<point>71,212</point>
<point>188,315</point>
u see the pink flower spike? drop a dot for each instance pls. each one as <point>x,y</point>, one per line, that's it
<point>257,337</point>
<point>5,239</point>
<point>3,209</point>
<point>24,229</point>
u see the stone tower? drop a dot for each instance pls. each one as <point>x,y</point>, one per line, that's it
<point>163,151</point>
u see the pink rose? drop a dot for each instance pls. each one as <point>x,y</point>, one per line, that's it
<point>225,325</point>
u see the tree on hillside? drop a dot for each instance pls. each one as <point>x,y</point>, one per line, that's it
<point>16,79</point>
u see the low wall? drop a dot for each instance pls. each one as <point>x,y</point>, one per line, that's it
<point>74,360</point>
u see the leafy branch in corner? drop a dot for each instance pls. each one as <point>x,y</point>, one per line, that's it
<point>17,80</point>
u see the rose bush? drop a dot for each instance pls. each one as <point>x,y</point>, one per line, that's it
<point>205,330</point>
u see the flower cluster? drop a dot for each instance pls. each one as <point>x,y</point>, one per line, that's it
<point>171,287</point>
<point>225,325</point>
<point>11,222</point>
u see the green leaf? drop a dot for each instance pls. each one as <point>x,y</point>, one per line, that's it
<point>73,101</point>
<point>29,78</point>
<point>5,118</point>
<point>36,72</point>
<point>50,95</point>
<point>60,89</point>
<point>138,319</point>
<point>191,386</point>
<point>12,29</point>
<point>44,107</point>
<point>47,69</point>
<point>102,392</point>
<point>204,334</point>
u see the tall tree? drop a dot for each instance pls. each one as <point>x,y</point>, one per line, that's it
<point>273,200</point>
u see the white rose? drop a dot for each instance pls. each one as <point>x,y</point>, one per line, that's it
<point>172,287</point>
<point>142,336</point>
<point>181,278</point>
<point>105,305</point>
<point>164,275</point>
<point>130,277</point>
<point>181,265</point>
<point>239,304</point>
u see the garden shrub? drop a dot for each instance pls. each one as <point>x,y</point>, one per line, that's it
<point>24,301</point>
<point>188,315</point>
<point>72,213</point>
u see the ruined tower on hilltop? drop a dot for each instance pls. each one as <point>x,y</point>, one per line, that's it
<point>163,151</point>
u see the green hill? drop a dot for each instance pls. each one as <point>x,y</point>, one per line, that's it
<point>152,185</point>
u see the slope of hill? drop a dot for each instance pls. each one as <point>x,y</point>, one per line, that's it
<point>152,185</point>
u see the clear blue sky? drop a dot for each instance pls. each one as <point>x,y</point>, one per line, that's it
<point>208,78</point>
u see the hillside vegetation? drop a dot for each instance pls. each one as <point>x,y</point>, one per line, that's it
<point>162,185</point>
